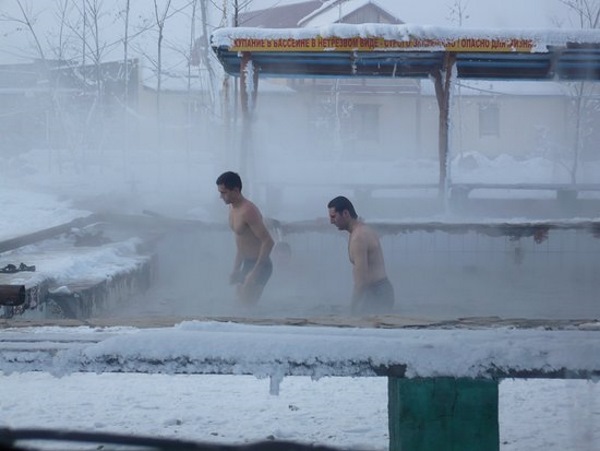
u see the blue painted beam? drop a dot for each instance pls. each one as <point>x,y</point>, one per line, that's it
<point>567,64</point>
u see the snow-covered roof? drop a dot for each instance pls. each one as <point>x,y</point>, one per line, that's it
<point>415,51</point>
<point>334,11</point>
<point>279,16</point>
<point>407,37</point>
<point>313,13</point>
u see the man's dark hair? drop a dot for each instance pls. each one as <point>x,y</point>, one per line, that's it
<point>342,203</point>
<point>230,180</point>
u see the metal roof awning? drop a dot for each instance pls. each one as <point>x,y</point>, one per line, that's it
<point>376,50</point>
<point>557,64</point>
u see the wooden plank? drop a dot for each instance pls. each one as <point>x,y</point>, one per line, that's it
<point>494,229</point>
<point>12,295</point>
<point>530,186</point>
<point>391,321</point>
<point>45,234</point>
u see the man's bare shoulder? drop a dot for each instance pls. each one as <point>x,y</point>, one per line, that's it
<point>250,211</point>
<point>359,234</point>
<point>363,230</point>
<point>364,234</point>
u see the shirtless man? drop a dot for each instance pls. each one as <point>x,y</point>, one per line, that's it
<point>373,292</point>
<point>252,267</point>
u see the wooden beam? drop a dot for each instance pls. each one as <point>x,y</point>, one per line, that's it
<point>45,234</point>
<point>12,295</point>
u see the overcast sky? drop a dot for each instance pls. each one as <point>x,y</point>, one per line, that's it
<point>481,13</point>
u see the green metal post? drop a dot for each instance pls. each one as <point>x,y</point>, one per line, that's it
<point>447,414</point>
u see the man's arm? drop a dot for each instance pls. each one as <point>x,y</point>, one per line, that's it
<point>235,276</point>
<point>360,270</point>
<point>257,226</point>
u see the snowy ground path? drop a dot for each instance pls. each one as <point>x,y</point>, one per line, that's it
<point>544,415</point>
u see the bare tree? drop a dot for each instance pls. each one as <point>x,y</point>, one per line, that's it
<point>93,13</point>
<point>82,36</point>
<point>207,58</point>
<point>186,52</point>
<point>458,15</point>
<point>587,12</point>
<point>230,11</point>
<point>200,51</point>
<point>87,25</point>
<point>160,18</point>
<point>56,131</point>
<point>28,19</point>
<point>128,36</point>
<point>126,13</point>
<point>584,98</point>
<point>458,12</point>
<point>60,46</point>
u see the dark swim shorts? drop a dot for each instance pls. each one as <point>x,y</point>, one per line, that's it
<point>264,272</point>
<point>378,297</point>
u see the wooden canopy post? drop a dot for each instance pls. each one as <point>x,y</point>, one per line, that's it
<point>248,96</point>
<point>443,86</point>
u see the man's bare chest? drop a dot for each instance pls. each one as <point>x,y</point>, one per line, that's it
<point>238,224</point>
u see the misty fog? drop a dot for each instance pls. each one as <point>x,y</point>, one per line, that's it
<point>436,276</point>
<point>129,133</point>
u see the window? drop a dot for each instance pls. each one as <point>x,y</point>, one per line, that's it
<point>489,120</point>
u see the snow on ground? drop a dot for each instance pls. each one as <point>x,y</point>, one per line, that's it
<point>546,415</point>
<point>26,212</point>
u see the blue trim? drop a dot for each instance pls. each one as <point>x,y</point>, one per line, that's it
<point>568,64</point>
